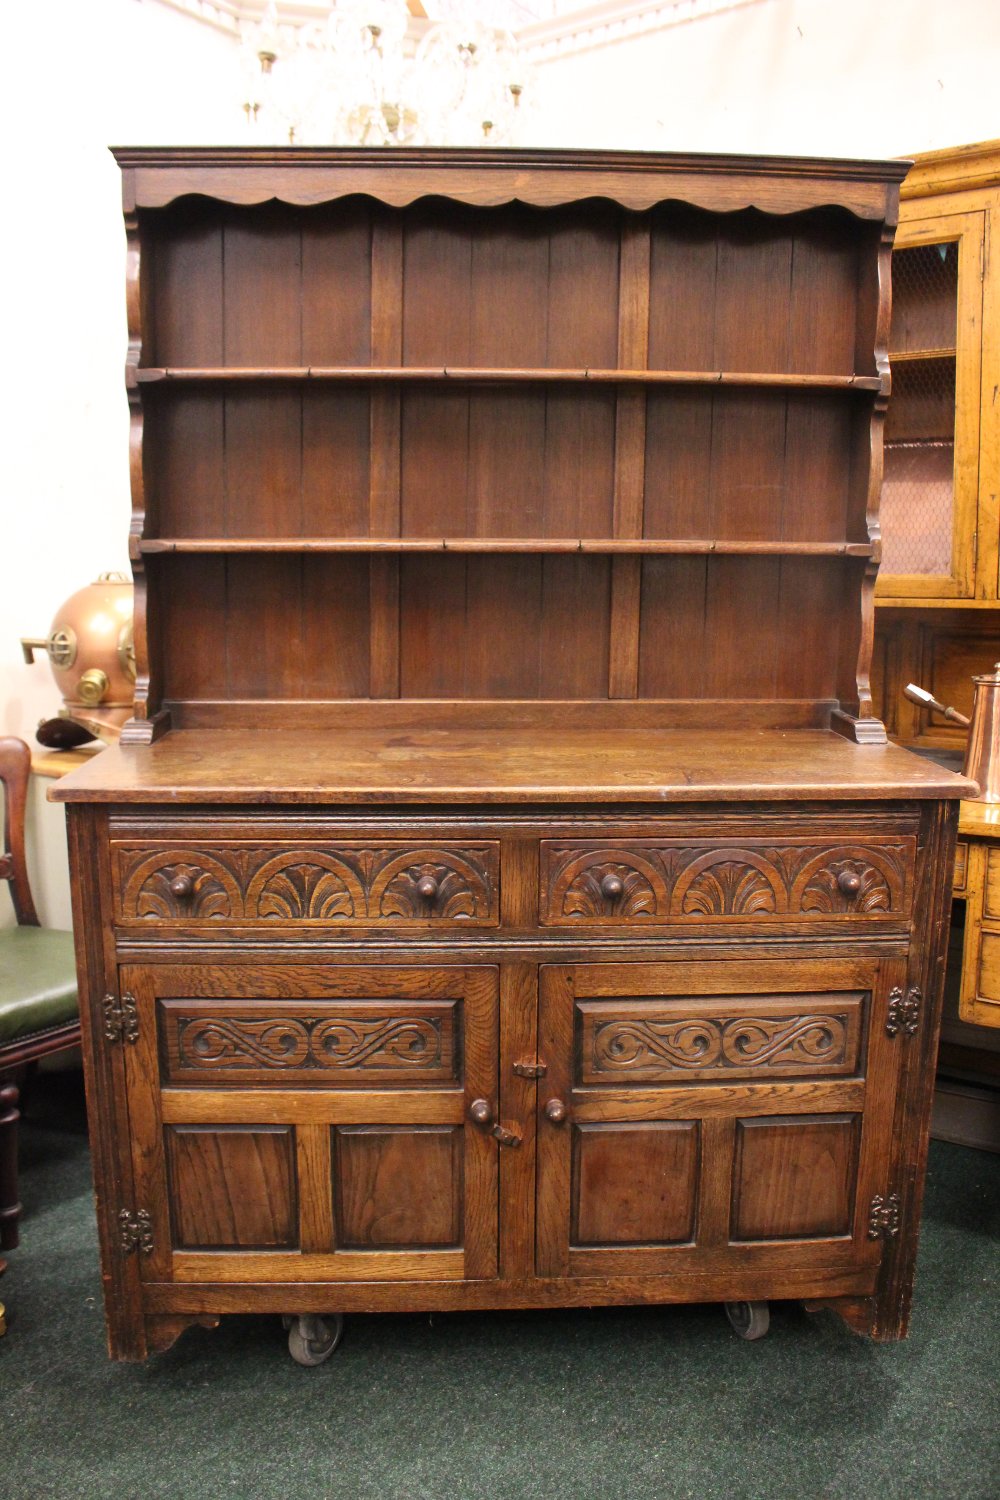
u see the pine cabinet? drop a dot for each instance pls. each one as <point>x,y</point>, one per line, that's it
<point>938,585</point>
<point>504,894</point>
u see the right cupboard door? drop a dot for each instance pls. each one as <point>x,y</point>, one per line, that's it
<point>714,1116</point>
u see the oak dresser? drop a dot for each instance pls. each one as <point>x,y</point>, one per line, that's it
<point>503,895</point>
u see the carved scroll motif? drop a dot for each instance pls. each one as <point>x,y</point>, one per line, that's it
<point>231,1044</point>
<point>620,1046</point>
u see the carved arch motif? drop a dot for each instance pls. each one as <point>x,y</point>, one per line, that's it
<point>463,888</point>
<point>215,892</point>
<point>577,891</point>
<point>729,883</point>
<point>817,889</point>
<point>297,885</point>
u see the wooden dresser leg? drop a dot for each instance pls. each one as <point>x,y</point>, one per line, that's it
<point>857,1312</point>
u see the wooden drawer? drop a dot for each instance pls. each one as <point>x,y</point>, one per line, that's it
<point>301,883</point>
<point>775,879</point>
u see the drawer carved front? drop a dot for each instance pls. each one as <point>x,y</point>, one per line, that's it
<point>353,882</point>
<point>649,880</point>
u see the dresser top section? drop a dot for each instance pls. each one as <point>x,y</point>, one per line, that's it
<point>152,177</point>
<point>468,765</point>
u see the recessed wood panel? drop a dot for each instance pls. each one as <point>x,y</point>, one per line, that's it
<point>650,1040</point>
<point>325,1044</point>
<point>182,265</point>
<point>634,1184</point>
<point>398,1186</point>
<point>693,608</point>
<point>460,263</point>
<point>232,1187</point>
<point>279,626</point>
<point>747,465</point>
<point>288,460</point>
<point>458,474</point>
<point>800,314</point>
<point>504,627</point>
<point>794,1178</point>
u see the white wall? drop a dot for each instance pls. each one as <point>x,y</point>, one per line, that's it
<point>801,77</point>
<point>839,77</point>
<point>79,75</point>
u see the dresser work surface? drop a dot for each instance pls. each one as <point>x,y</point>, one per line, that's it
<point>503,894</point>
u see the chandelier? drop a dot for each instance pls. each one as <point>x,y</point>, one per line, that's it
<point>360,77</point>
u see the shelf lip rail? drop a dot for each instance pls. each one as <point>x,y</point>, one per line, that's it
<point>157,546</point>
<point>502,375</point>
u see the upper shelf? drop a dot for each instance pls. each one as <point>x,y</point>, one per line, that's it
<point>380,374</point>
<point>153,546</point>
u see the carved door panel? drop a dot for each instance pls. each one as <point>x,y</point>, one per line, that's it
<point>312,1123</point>
<point>715,1116</point>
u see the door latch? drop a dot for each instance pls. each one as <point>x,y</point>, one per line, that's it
<point>506,1137</point>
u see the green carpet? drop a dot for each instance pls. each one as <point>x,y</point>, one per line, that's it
<point>612,1403</point>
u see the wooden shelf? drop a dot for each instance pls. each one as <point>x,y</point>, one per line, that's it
<point>158,546</point>
<point>501,375</point>
<point>905,356</point>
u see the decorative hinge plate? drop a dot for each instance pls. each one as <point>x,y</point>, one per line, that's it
<point>903,1013</point>
<point>136,1231</point>
<point>883,1217</point>
<point>121,1019</point>
<point>530,1069</point>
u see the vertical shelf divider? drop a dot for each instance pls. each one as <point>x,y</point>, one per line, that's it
<point>630,457</point>
<point>385,475</point>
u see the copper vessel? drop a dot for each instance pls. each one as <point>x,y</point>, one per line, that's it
<point>982,756</point>
<point>90,652</point>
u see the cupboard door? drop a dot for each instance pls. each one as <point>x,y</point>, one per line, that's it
<point>312,1123</point>
<point>713,1116</point>
<point>931,466</point>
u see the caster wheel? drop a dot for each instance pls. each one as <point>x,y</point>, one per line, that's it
<point>312,1340</point>
<point>750,1320</point>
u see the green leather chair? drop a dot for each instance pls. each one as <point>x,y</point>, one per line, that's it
<point>38,1004</point>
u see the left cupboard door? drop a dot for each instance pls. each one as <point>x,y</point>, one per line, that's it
<point>307,1122</point>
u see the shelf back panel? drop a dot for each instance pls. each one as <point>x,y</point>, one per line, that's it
<point>293,459</point>
<point>524,627</point>
<point>745,292</point>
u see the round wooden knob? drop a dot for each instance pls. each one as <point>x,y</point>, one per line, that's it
<point>428,887</point>
<point>850,883</point>
<point>612,887</point>
<point>182,886</point>
<point>555,1111</point>
<point>480,1111</point>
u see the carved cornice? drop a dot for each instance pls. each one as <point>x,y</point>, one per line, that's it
<point>153,177</point>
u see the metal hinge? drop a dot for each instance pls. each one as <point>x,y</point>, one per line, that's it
<point>883,1217</point>
<point>530,1069</point>
<point>121,1018</point>
<point>136,1231</point>
<point>903,1013</point>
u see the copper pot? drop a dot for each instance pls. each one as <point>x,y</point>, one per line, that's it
<point>90,652</point>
